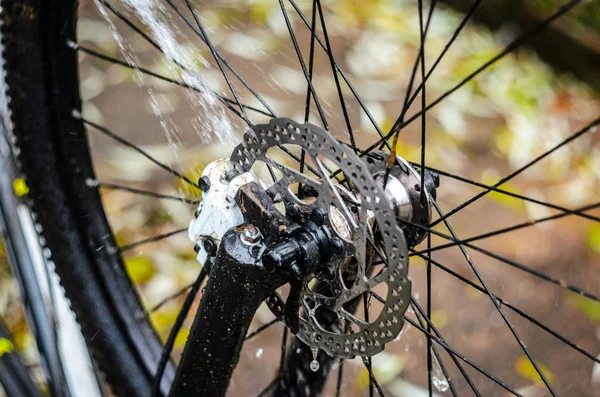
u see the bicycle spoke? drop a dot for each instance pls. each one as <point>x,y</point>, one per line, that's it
<point>368,359</point>
<point>169,298</point>
<point>520,342</point>
<point>511,228</point>
<point>112,186</point>
<point>372,379</point>
<point>507,178</point>
<point>124,142</point>
<point>226,101</point>
<point>462,24</point>
<point>310,76</point>
<point>261,329</point>
<point>152,239</point>
<point>453,352</point>
<point>217,58</point>
<point>430,347</point>
<point>154,44</point>
<point>284,337</point>
<point>302,65</point>
<point>168,348</point>
<point>423,102</point>
<point>339,70</point>
<point>338,387</point>
<point>420,59</point>
<point>225,62</point>
<point>507,50</point>
<point>538,274</point>
<point>510,194</point>
<point>329,52</point>
<point>516,310</point>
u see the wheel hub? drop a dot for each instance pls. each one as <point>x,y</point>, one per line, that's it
<point>338,232</point>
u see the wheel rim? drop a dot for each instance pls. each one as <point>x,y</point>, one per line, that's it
<point>422,321</point>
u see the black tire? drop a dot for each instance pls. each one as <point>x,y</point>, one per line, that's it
<point>41,76</point>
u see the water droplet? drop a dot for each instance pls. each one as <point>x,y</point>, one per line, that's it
<point>259,353</point>
<point>314,365</point>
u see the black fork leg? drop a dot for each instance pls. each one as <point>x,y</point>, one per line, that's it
<point>236,287</point>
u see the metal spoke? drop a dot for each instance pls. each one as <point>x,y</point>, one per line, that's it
<point>538,274</point>
<point>507,50</point>
<point>366,303</point>
<point>420,59</point>
<point>516,310</point>
<point>430,348</point>
<point>329,52</point>
<point>159,49</point>
<point>122,141</point>
<point>226,101</point>
<point>523,168</point>
<point>284,337</point>
<point>304,70</point>
<point>261,329</point>
<point>511,228</point>
<point>168,348</point>
<point>512,329</point>
<point>462,24</point>
<point>338,387</point>
<point>169,298</point>
<point>217,58</point>
<point>225,62</point>
<point>509,193</point>
<point>339,70</point>
<point>418,310</point>
<point>112,186</point>
<point>152,239</point>
<point>372,380</point>
<point>455,353</point>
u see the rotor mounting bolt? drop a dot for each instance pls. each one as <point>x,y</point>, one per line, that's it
<point>337,246</point>
<point>204,184</point>
<point>292,211</point>
<point>318,216</point>
<point>209,245</point>
<point>229,175</point>
<point>250,235</point>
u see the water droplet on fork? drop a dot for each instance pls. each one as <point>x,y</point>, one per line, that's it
<point>314,365</point>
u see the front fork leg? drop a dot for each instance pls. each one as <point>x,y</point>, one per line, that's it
<point>236,286</point>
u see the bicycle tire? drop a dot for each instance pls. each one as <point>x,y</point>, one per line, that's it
<point>42,86</point>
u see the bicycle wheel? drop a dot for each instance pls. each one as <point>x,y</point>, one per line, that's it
<point>49,125</point>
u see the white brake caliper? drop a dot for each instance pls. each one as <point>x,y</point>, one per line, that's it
<point>218,211</point>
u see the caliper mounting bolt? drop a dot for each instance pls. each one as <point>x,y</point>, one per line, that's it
<point>250,235</point>
<point>204,184</point>
<point>209,246</point>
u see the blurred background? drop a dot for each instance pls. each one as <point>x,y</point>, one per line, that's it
<point>517,109</point>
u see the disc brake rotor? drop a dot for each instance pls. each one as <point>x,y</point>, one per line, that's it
<point>372,251</point>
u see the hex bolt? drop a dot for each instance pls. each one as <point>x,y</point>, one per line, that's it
<point>204,184</point>
<point>318,216</point>
<point>209,246</point>
<point>292,210</point>
<point>337,246</point>
<point>250,235</point>
<point>196,248</point>
<point>229,175</point>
